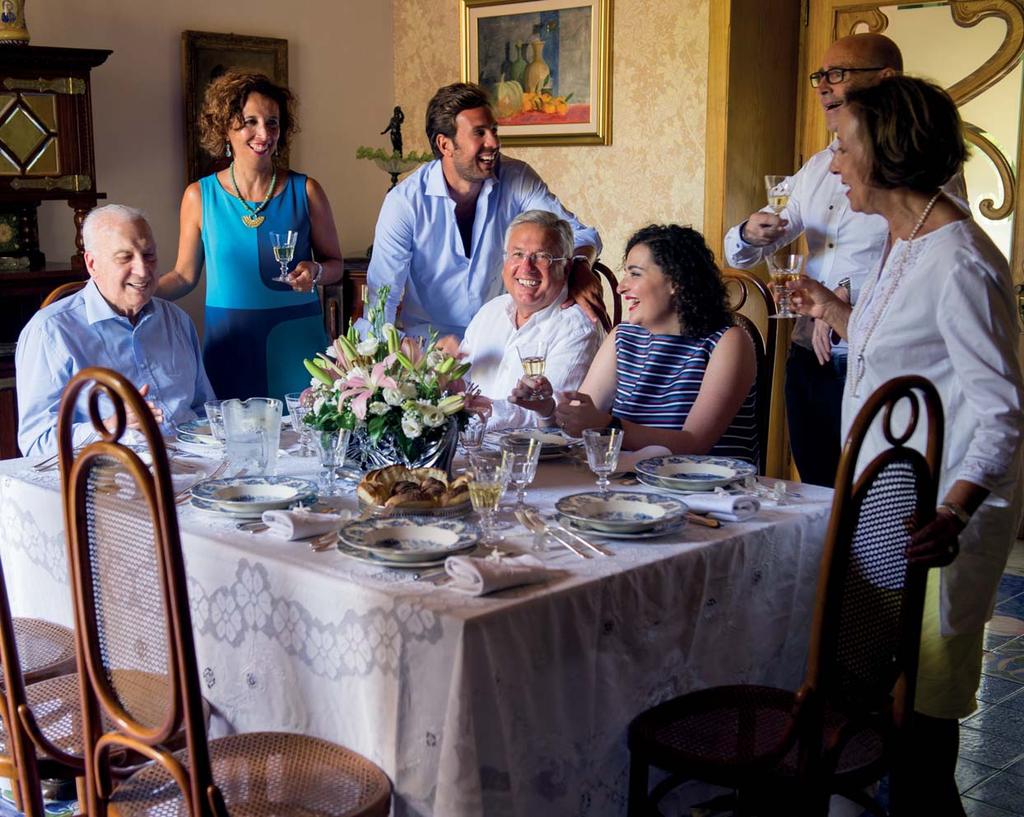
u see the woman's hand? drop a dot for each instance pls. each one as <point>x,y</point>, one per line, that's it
<point>534,394</point>
<point>576,411</point>
<point>301,278</point>
<point>809,297</point>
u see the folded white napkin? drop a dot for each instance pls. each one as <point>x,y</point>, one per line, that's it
<point>302,523</point>
<point>629,459</point>
<point>478,577</point>
<point>727,507</point>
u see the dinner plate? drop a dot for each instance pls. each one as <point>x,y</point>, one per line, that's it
<point>693,472</point>
<point>666,529</point>
<point>197,432</point>
<point>369,559</point>
<point>620,511</point>
<point>216,509</point>
<point>410,538</point>
<point>553,443</point>
<point>253,494</point>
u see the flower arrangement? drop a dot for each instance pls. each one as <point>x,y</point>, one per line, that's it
<point>399,389</point>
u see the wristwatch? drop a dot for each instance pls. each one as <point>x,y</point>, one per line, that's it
<point>319,274</point>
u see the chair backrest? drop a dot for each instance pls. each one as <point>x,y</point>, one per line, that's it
<point>609,276</point>
<point>867,622</point>
<point>745,289</point>
<point>62,291</point>
<point>136,654</point>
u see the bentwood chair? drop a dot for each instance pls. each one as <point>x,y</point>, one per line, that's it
<point>602,271</point>
<point>744,288</point>
<point>785,751</point>
<point>137,657</point>
<point>62,291</point>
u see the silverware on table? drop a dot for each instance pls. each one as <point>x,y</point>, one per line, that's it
<point>53,460</point>
<point>540,527</point>
<point>186,493</point>
<point>564,529</point>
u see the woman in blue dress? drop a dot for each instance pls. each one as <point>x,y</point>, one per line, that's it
<point>678,372</point>
<point>257,330</point>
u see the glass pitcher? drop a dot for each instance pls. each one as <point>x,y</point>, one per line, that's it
<point>252,430</point>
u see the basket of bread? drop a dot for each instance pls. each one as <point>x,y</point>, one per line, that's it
<point>400,490</point>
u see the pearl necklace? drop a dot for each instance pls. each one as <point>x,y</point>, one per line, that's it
<point>899,268</point>
<point>253,218</point>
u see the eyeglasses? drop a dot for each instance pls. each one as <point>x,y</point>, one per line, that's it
<point>837,76</point>
<point>541,260</point>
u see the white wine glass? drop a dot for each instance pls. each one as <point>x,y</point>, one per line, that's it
<point>778,189</point>
<point>488,477</point>
<point>522,453</point>
<point>602,446</point>
<point>284,251</point>
<point>783,267</point>
<point>533,355</point>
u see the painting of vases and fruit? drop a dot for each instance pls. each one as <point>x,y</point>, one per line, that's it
<point>541,64</point>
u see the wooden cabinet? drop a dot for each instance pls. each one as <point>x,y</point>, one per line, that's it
<point>344,300</point>
<point>46,153</point>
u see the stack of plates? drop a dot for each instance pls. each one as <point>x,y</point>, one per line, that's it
<point>406,542</point>
<point>622,514</point>
<point>553,444</point>
<point>691,472</point>
<point>249,497</point>
<point>196,436</point>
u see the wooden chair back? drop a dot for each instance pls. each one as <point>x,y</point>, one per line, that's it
<point>603,272</point>
<point>746,289</point>
<point>136,653</point>
<point>62,291</point>
<point>867,623</point>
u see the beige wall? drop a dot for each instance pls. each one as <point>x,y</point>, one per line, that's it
<point>654,168</point>
<point>340,64</point>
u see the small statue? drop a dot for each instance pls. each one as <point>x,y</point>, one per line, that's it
<point>395,127</point>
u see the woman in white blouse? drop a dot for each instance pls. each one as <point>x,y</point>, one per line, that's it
<point>940,306</point>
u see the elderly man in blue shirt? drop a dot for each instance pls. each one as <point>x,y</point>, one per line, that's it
<point>114,322</point>
<point>438,242</point>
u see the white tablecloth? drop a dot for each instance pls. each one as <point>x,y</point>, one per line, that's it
<point>511,704</point>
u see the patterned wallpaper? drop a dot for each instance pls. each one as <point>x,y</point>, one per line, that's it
<point>654,169</point>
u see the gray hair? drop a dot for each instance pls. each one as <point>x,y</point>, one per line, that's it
<point>548,221</point>
<point>108,212</point>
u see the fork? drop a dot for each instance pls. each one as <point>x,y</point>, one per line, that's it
<point>185,493</point>
<point>540,529</point>
<point>553,525</point>
<point>53,460</point>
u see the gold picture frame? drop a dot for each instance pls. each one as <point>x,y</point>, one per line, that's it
<point>205,55</point>
<point>547,64</point>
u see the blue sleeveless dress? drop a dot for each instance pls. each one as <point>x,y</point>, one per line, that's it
<point>659,377</point>
<point>257,330</point>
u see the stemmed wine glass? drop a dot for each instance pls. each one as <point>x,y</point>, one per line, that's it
<point>533,355</point>
<point>783,267</point>
<point>472,435</point>
<point>603,446</point>
<point>284,250</point>
<point>778,189</point>
<point>488,477</point>
<point>522,453</point>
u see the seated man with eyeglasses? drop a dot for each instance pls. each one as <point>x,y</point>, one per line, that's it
<point>528,322</point>
<point>844,249</point>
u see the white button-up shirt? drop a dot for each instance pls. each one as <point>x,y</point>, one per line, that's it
<point>492,342</point>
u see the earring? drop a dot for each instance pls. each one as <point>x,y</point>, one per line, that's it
<point>227,149</point>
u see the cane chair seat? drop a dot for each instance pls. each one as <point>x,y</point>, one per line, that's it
<point>265,774</point>
<point>45,649</point>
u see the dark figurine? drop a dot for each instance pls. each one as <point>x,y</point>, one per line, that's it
<point>395,127</point>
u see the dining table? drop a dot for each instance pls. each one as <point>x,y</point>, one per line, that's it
<point>513,703</point>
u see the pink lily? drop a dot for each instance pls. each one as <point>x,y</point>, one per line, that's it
<point>362,389</point>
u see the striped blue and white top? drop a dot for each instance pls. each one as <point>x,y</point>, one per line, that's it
<point>659,377</point>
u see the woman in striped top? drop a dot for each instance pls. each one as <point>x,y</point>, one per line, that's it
<point>678,373</point>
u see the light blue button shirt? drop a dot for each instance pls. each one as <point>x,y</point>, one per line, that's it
<point>418,250</point>
<point>82,330</point>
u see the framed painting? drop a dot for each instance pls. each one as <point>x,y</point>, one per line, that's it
<point>547,64</point>
<point>204,57</point>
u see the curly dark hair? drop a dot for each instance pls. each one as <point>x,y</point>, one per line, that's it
<point>683,255</point>
<point>913,132</point>
<point>223,102</point>
<point>449,102</point>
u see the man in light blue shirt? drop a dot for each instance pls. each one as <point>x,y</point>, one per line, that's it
<point>113,322</point>
<point>438,242</point>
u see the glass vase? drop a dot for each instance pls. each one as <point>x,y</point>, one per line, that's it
<point>435,452</point>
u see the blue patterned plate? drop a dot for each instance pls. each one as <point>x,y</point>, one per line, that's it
<point>252,494</point>
<point>553,443</point>
<point>673,526</point>
<point>370,559</point>
<point>197,432</point>
<point>409,539</point>
<point>693,472</point>
<point>620,511</point>
<point>215,508</point>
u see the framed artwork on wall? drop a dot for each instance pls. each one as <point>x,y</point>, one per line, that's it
<point>547,64</point>
<point>204,57</point>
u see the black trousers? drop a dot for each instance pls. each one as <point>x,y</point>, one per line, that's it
<point>814,398</point>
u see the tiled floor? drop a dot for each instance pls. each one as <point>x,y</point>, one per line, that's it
<point>991,768</point>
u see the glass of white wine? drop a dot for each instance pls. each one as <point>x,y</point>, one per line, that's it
<point>533,355</point>
<point>783,267</point>
<point>488,478</point>
<point>284,250</point>
<point>603,446</point>
<point>778,189</point>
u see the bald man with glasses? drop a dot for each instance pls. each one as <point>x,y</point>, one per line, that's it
<point>844,248</point>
